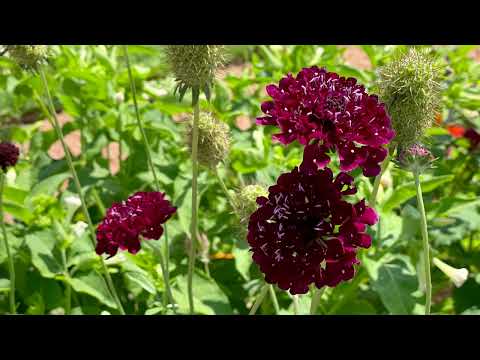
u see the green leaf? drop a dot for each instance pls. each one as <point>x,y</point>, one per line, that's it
<point>394,279</point>
<point>4,285</point>
<point>44,255</point>
<point>407,191</point>
<point>94,285</point>
<point>209,299</point>
<point>139,276</point>
<point>49,185</point>
<point>243,261</point>
<point>14,195</point>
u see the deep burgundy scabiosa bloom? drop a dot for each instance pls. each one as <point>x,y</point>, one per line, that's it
<point>305,232</point>
<point>335,112</point>
<point>9,154</point>
<point>142,214</point>
<point>474,138</point>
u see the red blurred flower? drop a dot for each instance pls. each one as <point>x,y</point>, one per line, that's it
<point>457,131</point>
<point>142,214</point>
<point>9,154</point>
<point>334,111</point>
<point>305,232</point>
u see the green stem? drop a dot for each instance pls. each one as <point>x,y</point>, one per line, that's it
<point>207,269</point>
<point>296,311</point>
<point>53,117</point>
<point>98,200</point>
<point>194,226</point>
<point>426,247</point>
<point>158,253</point>
<point>120,148</point>
<point>139,122</point>
<point>316,296</point>
<point>376,183</point>
<point>148,149</point>
<point>11,267</point>
<point>68,287</point>
<point>259,300</point>
<point>225,189</point>
<point>273,296</point>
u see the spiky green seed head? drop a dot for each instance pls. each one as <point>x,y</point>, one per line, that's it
<point>213,140</point>
<point>245,201</point>
<point>28,56</point>
<point>410,88</point>
<point>195,66</point>
<point>415,158</point>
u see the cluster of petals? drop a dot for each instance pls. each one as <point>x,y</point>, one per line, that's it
<point>9,154</point>
<point>305,232</point>
<point>333,112</point>
<point>141,215</point>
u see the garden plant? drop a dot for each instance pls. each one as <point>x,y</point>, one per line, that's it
<point>249,180</point>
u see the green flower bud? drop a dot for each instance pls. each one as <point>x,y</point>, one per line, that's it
<point>410,88</point>
<point>195,66</point>
<point>414,158</point>
<point>213,140</point>
<point>28,56</point>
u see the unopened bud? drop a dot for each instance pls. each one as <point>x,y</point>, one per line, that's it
<point>415,158</point>
<point>410,88</point>
<point>195,66</point>
<point>28,56</point>
<point>213,140</point>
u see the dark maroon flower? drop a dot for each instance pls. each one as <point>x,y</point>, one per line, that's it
<point>142,214</point>
<point>474,138</point>
<point>9,154</point>
<point>305,232</point>
<point>334,111</point>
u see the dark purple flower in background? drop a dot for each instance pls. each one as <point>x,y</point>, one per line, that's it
<point>142,214</point>
<point>473,137</point>
<point>336,113</point>
<point>305,232</point>
<point>9,154</point>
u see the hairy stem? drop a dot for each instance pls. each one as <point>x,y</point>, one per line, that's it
<point>194,225</point>
<point>11,267</point>
<point>274,299</point>
<point>53,118</point>
<point>259,300</point>
<point>168,290</point>
<point>316,296</point>
<point>296,310</point>
<point>426,246</point>
<point>225,189</point>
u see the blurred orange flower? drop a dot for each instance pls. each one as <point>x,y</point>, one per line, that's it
<point>456,131</point>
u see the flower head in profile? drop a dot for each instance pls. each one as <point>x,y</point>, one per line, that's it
<point>333,111</point>
<point>305,232</point>
<point>415,158</point>
<point>142,214</point>
<point>9,154</point>
<point>195,66</point>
